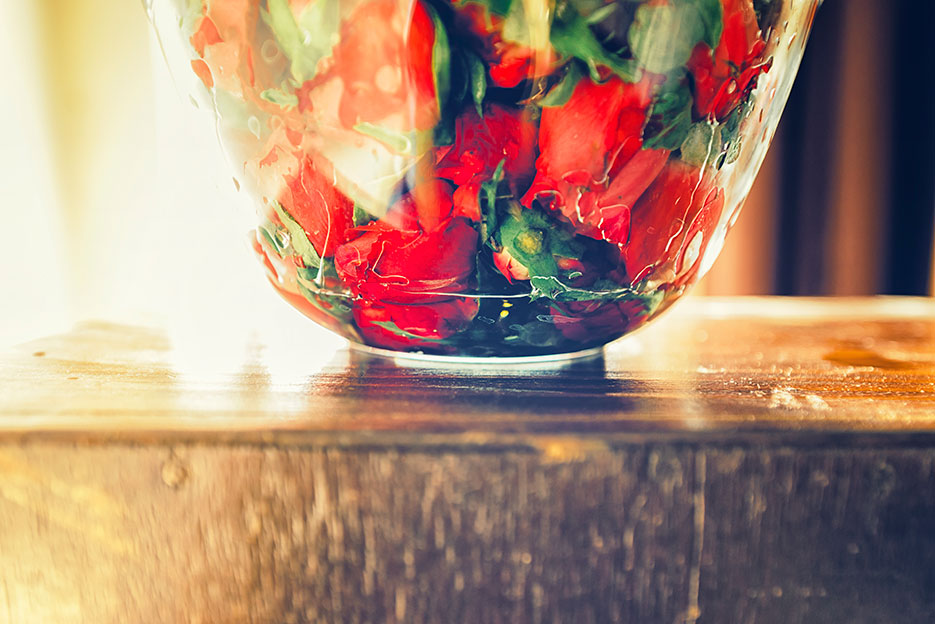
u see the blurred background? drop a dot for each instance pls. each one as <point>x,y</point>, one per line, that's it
<point>116,204</point>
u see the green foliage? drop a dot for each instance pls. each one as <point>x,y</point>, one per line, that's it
<point>478,80</point>
<point>304,38</point>
<point>562,92</point>
<point>487,200</point>
<point>572,37</point>
<point>441,59</point>
<point>670,118</point>
<point>280,98</point>
<point>298,239</point>
<point>702,144</point>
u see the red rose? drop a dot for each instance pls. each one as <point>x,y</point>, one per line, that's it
<point>481,143</point>
<point>591,166</point>
<point>322,210</point>
<point>403,266</point>
<point>678,207</point>
<point>609,209</point>
<point>509,62</point>
<point>384,59</point>
<point>395,326</point>
<point>407,274</point>
<point>218,40</point>
<point>398,259</point>
<point>425,207</point>
<point>723,78</point>
<point>511,268</point>
<point>512,63</point>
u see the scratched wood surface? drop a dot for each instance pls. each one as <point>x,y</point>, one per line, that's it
<point>742,461</point>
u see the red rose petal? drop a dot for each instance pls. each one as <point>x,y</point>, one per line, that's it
<point>387,71</point>
<point>322,210</point>
<point>481,143</point>
<point>679,204</point>
<point>406,266</point>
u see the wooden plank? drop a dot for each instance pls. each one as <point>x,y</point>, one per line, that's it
<point>743,461</point>
<point>819,535</point>
<point>223,534</point>
<point>639,533</point>
<point>748,365</point>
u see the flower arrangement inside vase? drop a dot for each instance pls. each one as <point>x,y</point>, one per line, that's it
<point>491,177</point>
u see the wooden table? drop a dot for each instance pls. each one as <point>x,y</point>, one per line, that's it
<point>748,460</point>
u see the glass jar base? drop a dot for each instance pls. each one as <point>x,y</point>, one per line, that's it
<point>417,358</point>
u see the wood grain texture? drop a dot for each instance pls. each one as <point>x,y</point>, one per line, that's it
<point>743,461</point>
<point>733,364</point>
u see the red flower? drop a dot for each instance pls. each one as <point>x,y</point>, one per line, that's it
<point>591,166</point>
<point>509,62</point>
<point>384,59</point>
<point>511,268</point>
<point>399,260</point>
<point>723,78</point>
<point>395,326</point>
<point>408,276</point>
<point>425,207</point>
<point>218,40</point>
<point>671,225</point>
<point>481,143</point>
<point>322,210</point>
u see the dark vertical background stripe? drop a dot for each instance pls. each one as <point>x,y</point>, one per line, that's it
<point>845,203</point>
<point>912,194</point>
<point>809,139</point>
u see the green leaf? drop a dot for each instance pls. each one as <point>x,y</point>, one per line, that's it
<point>499,7</point>
<point>488,192</point>
<point>309,275</point>
<point>606,291</point>
<point>572,37</point>
<point>407,144</point>
<point>280,98</point>
<point>712,18</point>
<point>562,92</point>
<point>306,38</point>
<point>298,239</point>
<point>670,119</point>
<point>731,126</point>
<point>478,82</point>
<point>601,13</point>
<point>441,60</point>
<point>537,334</point>
<point>731,137</point>
<point>361,216</point>
<point>445,131</point>
<point>702,145</point>
<point>399,331</point>
<point>536,241</point>
<point>564,244</point>
<point>663,36</point>
<point>525,235</point>
<point>190,13</point>
<point>338,307</point>
<point>273,241</point>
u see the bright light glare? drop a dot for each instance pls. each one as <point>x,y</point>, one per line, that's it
<point>32,298</point>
